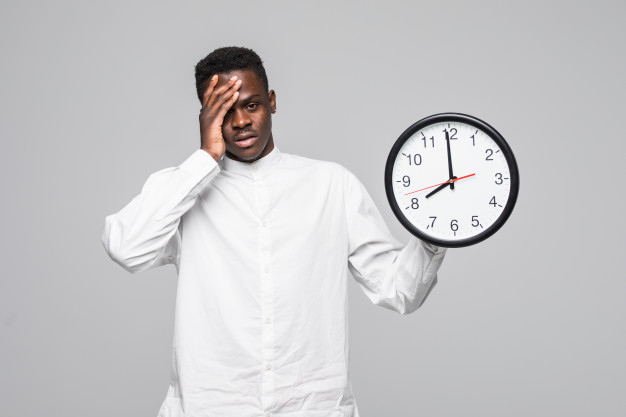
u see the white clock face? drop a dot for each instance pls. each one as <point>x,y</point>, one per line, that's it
<point>477,195</point>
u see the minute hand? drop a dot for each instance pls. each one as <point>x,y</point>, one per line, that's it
<point>449,159</point>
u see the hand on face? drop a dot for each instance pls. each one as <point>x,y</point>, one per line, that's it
<point>242,120</point>
<point>215,104</point>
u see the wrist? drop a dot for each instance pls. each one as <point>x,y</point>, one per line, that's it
<point>213,154</point>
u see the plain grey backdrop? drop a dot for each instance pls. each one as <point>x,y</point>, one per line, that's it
<point>96,96</point>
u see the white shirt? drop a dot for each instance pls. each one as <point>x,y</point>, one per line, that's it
<point>263,252</point>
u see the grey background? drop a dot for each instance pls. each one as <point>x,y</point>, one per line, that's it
<point>98,95</point>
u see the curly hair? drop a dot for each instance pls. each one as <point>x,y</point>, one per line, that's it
<point>227,59</point>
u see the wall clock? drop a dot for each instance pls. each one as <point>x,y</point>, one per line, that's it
<point>451,180</point>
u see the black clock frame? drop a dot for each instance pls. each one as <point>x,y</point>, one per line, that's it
<point>493,134</point>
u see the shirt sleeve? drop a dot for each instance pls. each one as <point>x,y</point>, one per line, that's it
<point>145,233</point>
<point>391,275</point>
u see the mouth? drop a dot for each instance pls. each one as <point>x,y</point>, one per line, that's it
<point>245,140</point>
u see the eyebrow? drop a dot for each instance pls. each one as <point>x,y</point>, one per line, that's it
<point>249,98</point>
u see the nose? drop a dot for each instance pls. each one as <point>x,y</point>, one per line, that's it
<point>240,118</point>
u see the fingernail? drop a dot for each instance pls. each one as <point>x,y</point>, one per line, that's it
<point>234,77</point>
<point>214,77</point>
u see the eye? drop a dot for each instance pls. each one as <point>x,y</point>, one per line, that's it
<point>251,106</point>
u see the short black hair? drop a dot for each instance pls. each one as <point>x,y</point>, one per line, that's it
<point>227,59</point>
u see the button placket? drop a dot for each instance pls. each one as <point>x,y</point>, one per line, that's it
<point>267,291</point>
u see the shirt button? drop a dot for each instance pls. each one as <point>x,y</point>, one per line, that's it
<point>267,320</point>
<point>268,414</point>
<point>264,224</point>
<point>267,269</point>
<point>269,366</point>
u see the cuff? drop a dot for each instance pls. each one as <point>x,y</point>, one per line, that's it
<point>202,168</point>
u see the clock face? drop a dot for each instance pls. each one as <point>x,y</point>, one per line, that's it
<point>451,180</point>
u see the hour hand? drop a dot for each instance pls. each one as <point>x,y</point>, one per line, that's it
<point>442,186</point>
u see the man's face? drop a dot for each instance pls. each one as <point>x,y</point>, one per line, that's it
<point>247,127</point>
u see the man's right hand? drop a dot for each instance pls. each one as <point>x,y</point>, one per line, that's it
<point>215,104</point>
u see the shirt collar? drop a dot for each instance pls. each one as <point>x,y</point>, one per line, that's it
<point>252,169</point>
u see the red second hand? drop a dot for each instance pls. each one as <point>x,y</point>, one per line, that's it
<point>445,182</point>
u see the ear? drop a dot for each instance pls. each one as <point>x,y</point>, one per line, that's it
<point>272,96</point>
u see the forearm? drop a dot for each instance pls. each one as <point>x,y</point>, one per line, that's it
<point>144,234</point>
<point>413,275</point>
<point>400,279</point>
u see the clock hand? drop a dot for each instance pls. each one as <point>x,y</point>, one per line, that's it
<point>451,182</point>
<point>449,161</point>
<point>442,185</point>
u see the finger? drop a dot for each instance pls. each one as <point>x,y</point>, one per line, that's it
<point>226,96</point>
<point>209,89</point>
<point>218,91</point>
<point>226,105</point>
<point>212,92</point>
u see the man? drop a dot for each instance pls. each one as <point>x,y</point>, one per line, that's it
<point>263,242</point>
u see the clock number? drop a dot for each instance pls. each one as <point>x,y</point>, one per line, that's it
<point>475,221</point>
<point>489,152</point>
<point>453,135</point>
<point>406,181</point>
<point>493,201</point>
<point>454,225</point>
<point>433,223</point>
<point>473,140</point>
<point>499,179</point>
<point>432,140</point>
<point>415,203</point>
<point>416,160</point>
